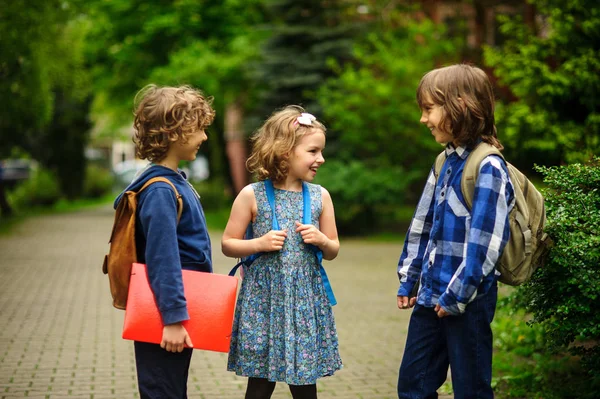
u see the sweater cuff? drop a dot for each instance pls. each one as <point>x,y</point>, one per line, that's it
<point>175,315</point>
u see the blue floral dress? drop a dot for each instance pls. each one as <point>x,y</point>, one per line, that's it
<point>283,328</point>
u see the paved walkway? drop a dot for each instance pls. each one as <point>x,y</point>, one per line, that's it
<point>60,336</point>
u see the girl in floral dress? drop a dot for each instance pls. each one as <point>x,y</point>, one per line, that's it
<point>284,328</point>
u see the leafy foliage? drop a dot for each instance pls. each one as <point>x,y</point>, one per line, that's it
<point>205,44</point>
<point>98,182</point>
<point>45,87</point>
<point>294,59</point>
<point>562,295</point>
<point>375,134</point>
<point>523,366</point>
<point>553,69</point>
<point>41,189</point>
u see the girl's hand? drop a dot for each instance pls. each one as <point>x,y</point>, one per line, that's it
<point>175,337</point>
<point>272,241</point>
<point>311,235</point>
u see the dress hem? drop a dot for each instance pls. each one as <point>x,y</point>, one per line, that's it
<point>241,374</point>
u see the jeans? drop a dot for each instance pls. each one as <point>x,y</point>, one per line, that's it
<point>161,374</point>
<point>462,342</point>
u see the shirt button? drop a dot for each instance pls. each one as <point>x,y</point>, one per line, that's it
<point>449,171</point>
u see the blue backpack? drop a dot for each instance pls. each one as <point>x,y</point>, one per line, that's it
<point>306,219</point>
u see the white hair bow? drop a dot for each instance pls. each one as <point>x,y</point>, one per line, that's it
<point>306,119</point>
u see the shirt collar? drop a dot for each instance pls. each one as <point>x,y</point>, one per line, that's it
<point>462,152</point>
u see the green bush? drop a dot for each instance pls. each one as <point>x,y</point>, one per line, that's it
<point>555,78</point>
<point>365,195</point>
<point>562,296</point>
<point>41,189</point>
<point>523,365</point>
<point>382,152</point>
<point>98,182</point>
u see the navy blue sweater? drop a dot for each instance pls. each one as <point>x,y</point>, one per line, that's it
<point>165,246</point>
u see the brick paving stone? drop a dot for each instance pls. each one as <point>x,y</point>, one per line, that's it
<point>61,338</point>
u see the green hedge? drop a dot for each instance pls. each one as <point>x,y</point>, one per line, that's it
<point>562,296</point>
<point>41,189</point>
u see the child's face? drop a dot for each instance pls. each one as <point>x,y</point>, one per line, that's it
<point>307,156</point>
<point>431,115</point>
<point>187,151</point>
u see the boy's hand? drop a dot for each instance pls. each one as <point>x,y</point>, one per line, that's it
<point>440,311</point>
<point>311,235</point>
<point>175,337</point>
<point>273,240</point>
<point>406,303</point>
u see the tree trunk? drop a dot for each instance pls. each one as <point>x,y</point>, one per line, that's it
<point>236,145</point>
<point>5,208</point>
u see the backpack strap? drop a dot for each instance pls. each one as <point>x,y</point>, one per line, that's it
<point>177,195</point>
<point>306,219</point>
<point>270,191</point>
<point>471,170</point>
<point>248,260</point>
<point>439,163</point>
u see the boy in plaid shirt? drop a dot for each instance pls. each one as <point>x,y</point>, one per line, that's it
<point>451,251</point>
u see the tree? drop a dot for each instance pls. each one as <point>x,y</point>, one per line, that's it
<point>375,134</point>
<point>205,44</point>
<point>42,69</point>
<point>305,35</point>
<point>553,68</point>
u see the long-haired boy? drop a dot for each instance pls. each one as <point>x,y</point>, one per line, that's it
<point>451,250</point>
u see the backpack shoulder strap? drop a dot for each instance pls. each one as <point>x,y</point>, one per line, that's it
<point>439,163</point>
<point>270,191</point>
<point>471,169</point>
<point>177,195</point>
<point>307,219</point>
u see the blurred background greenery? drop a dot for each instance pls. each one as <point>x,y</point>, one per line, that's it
<point>70,68</point>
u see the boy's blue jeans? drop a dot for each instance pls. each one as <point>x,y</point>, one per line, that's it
<point>462,342</point>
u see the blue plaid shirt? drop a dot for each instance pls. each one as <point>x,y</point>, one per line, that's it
<point>452,250</point>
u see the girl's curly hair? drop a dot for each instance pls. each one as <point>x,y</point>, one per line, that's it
<point>467,98</point>
<point>164,115</point>
<point>274,141</point>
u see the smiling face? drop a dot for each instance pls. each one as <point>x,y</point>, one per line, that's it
<point>187,150</point>
<point>307,156</point>
<point>431,116</point>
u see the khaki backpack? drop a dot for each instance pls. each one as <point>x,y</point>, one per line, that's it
<point>122,253</point>
<point>528,245</point>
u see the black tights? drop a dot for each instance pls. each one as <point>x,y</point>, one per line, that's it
<point>261,388</point>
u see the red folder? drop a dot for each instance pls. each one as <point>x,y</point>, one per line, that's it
<point>210,301</point>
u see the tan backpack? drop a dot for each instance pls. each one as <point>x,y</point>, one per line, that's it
<point>528,244</point>
<point>122,253</point>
